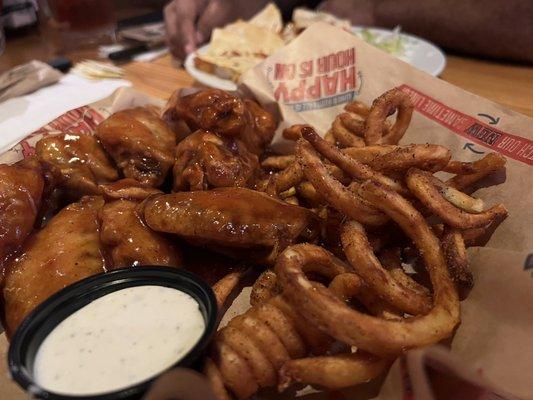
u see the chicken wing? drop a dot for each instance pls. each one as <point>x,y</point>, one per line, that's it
<point>220,112</point>
<point>249,222</point>
<point>206,160</point>
<point>130,242</point>
<point>141,144</point>
<point>209,109</point>
<point>21,189</point>
<point>66,250</point>
<point>129,189</point>
<point>79,160</point>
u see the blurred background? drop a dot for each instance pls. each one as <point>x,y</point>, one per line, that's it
<point>482,46</point>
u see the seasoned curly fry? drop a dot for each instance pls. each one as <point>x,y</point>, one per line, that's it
<point>316,341</point>
<point>358,107</point>
<point>382,107</point>
<point>343,136</point>
<point>328,137</point>
<point>293,132</point>
<point>264,288</point>
<point>376,335</point>
<point>462,200</point>
<point>366,154</point>
<point>352,167</point>
<point>337,195</point>
<point>486,166</point>
<point>348,285</point>
<point>480,236</point>
<point>427,189</point>
<point>307,191</point>
<point>333,372</point>
<point>459,167</point>
<point>391,260</point>
<point>454,249</point>
<point>235,371</point>
<point>226,285</point>
<point>277,162</point>
<point>260,366</point>
<point>362,258</point>
<point>354,123</point>
<point>428,157</point>
<point>216,380</point>
<point>285,179</point>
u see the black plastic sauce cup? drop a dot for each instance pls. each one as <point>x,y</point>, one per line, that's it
<point>40,322</point>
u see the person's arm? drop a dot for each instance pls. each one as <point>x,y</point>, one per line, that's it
<point>491,28</point>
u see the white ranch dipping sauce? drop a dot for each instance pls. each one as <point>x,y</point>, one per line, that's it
<point>119,340</point>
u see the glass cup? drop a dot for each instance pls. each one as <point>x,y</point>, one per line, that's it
<point>83,23</point>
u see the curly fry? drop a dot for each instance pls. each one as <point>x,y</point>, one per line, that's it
<point>480,236</point>
<point>354,123</point>
<point>366,154</point>
<point>264,336</point>
<point>317,341</point>
<point>337,195</point>
<point>454,249</point>
<point>381,108</point>
<point>375,335</point>
<point>276,320</point>
<point>348,285</point>
<point>309,193</point>
<point>352,167</point>
<point>459,167</point>
<point>226,285</point>
<point>293,132</point>
<point>253,356</point>
<point>216,380</point>
<point>332,372</point>
<point>328,137</point>
<point>277,162</point>
<point>358,107</point>
<point>362,258</point>
<point>343,135</point>
<point>285,179</point>
<point>264,288</point>
<point>462,200</point>
<point>391,260</point>
<point>427,189</point>
<point>486,166</point>
<point>428,157</point>
<point>235,372</point>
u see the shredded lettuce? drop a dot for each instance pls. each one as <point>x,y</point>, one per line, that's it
<point>393,43</point>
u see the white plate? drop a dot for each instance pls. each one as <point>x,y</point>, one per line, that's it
<point>419,53</point>
<point>205,78</point>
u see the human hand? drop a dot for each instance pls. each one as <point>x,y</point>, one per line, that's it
<point>180,25</point>
<point>190,22</point>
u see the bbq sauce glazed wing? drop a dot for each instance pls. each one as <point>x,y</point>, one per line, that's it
<point>227,115</point>
<point>21,189</point>
<point>128,241</point>
<point>141,144</point>
<point>65,251</point>
<point>78,160</point>
<point>210,109</point>
<point>205,160</point>
<point>236,221</point>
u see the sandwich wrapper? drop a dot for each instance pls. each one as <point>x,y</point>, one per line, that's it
<point>309,81</point>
